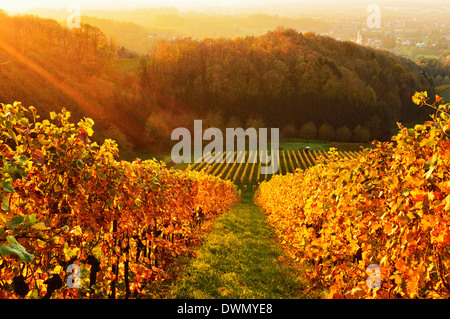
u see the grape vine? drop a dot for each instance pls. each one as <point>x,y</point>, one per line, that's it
<point>389,207</point>
<point>66,200</point>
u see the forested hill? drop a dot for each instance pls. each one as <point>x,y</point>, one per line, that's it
<point>50,67</point>
<point>288,79</point>
<point>297,82</point>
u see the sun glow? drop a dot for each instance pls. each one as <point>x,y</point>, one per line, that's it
<point>49,76</point>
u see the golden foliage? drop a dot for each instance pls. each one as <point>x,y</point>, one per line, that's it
<point>389,206</point>
<point>66,200</point>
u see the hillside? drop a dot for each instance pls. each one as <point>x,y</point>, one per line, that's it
<point>307,85</point>
<point>297,82</point>
<point>49,66</point>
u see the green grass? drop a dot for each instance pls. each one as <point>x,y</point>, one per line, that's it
<point>238,259</point>
<point>295,144</point>
<point>445,94</point>
<point>406,50</point>
<point>442,88</point>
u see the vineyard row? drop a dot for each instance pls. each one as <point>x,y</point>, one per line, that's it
<point>245,169</point>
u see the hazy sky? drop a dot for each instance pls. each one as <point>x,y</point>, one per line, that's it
<point>24,5</point>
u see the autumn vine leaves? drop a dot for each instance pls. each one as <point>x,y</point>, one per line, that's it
<point>66,201</point>
<point>67,204</point>
<point>389,206</point>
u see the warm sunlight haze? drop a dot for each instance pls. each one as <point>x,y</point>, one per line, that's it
<point>224,157</point>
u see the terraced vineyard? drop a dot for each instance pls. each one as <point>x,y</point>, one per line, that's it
<point>248,172</point>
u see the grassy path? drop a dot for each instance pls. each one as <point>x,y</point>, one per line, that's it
<point>238,259</point>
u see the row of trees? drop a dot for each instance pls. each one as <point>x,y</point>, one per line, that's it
<point>328,132</point>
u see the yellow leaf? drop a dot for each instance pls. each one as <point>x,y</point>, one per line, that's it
<point>384,261</point>
<point>59,240</point>
<point>40,226</point>
<point>77,231</point>
<point>447,203</point>
<point>418,195</point>
<point>58,269</point>
<point>398,280</point>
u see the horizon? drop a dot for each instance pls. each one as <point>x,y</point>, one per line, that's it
<point>213,6</point>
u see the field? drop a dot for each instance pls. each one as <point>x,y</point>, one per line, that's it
<point>248,172</point>
<point>445,94</point>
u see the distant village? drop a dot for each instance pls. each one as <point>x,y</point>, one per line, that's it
<point>412,34</point>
